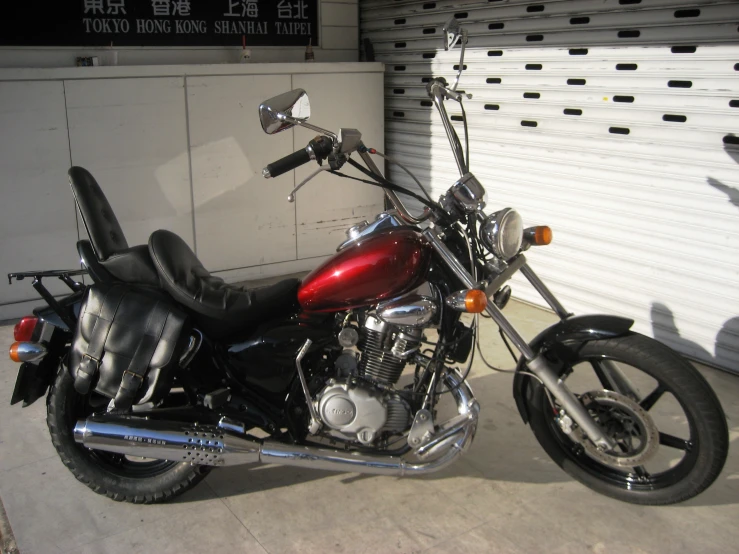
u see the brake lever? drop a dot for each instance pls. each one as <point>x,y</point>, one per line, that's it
<point>291,197</point>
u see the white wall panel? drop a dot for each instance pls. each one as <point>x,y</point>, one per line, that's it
<point>613,121</point>
<point>241,219</point>
<point>34,158</point>
<point>132,128</point>
<point>328,205</point>
<point>131,134</point>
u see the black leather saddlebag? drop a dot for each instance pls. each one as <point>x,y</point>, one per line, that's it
<point>127,344</point>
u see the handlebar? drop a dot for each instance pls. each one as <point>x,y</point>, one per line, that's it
<point>318,149</point>
<point>288,163</point>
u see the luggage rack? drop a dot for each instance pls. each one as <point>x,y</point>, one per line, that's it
<point>64,275</point>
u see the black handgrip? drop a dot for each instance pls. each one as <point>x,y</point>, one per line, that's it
<point>288,163</point>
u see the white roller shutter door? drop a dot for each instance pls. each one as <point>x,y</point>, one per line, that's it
<point>616,122</point>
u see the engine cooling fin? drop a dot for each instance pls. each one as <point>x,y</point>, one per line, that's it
<point>377,363</point>
<point>398,414</point>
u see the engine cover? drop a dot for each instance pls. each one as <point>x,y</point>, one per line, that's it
<point>354,411</point>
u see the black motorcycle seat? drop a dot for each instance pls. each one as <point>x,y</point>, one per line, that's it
<point>221,310</point>
<point>124,263</point>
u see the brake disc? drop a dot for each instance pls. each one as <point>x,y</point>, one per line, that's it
<point>629,424</point>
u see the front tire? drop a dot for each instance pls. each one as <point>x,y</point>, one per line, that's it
<point>115,476</point>
<point>663,373</point>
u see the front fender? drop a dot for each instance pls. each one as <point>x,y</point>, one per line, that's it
<point>579,328</point>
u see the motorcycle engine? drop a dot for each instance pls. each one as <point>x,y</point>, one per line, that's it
<point>357,407</point>
<point>360,412</point>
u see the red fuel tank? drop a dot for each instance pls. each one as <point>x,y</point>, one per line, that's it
<point>380,266</point>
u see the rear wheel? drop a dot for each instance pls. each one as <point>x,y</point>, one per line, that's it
<point>671,433</point>
<point>119,477</point>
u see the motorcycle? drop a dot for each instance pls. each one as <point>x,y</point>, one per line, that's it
<point>313,374</point>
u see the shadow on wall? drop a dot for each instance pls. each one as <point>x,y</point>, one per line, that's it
<point>733,151</point>
<point>726,346</point>
<point>725,352</point>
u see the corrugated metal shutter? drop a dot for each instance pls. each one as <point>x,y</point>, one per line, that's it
<point>616,122</point>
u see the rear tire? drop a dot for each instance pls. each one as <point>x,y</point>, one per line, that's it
<point>112,475</point>
<point>705,450</point>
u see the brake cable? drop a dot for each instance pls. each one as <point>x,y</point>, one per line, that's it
<point>382,182</point>
<point>401,166</point>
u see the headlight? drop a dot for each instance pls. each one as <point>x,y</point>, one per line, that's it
<point>502,233</point>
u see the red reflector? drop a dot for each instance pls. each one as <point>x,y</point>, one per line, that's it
<point>23,330</point>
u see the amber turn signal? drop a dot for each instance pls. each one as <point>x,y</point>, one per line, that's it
<point>26,351</point>
<point>472,301</point>
<point>475,301</point>
<point>538,236</point>
<point>13,353</point>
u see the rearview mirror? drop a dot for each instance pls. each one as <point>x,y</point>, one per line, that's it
<point>284,111</point>
<point>453,32</point>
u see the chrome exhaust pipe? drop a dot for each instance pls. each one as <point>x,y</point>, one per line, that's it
<point>215,446</point>
<point>166,440</point>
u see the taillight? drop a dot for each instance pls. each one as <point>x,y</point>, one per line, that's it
<point>23,330</point>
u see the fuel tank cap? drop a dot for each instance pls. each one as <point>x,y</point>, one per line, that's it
<point>355,230</point>
<point>385,220</point>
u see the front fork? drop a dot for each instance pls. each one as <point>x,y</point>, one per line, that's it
<point>536,362</point>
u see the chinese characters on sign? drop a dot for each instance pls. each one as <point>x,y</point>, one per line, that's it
<point>160,22</point>
<point>248,8</point>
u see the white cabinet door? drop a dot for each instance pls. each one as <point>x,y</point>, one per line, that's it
<point>328,205</point>
<point>131,134</point>
<point>37,221</point>
<point>241,218</point>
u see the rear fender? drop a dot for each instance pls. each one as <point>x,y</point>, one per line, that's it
<point>575,329</point>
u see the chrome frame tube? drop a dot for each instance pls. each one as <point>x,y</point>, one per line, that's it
<point>315,422</point>
<point>428,397</point>
<point>545,293</point>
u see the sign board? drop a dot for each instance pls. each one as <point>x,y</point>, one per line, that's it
<point>159,22</point>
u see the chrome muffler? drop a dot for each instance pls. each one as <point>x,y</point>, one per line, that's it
<point>216,446</point>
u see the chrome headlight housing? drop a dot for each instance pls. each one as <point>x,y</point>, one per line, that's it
<point>502,233</point>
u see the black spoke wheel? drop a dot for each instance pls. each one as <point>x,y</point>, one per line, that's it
<point>119,477</point>
<point>681,457</point>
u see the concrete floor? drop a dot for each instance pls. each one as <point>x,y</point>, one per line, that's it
<point>505,495</point>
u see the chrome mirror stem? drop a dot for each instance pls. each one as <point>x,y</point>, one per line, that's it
<point>461,60</point>
<point>304,123</point>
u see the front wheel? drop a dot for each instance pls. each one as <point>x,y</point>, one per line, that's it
<point>671,433</point>
<point>119,477</point>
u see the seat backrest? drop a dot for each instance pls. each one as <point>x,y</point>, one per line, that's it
<point>98,273</point>
<point>101,223</point>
